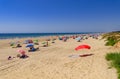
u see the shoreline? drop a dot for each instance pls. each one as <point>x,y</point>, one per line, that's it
<point>38,35</point>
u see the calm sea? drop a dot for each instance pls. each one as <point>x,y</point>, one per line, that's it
<point>23,35</point>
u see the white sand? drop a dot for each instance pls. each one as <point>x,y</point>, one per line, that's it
<point>53,62</point>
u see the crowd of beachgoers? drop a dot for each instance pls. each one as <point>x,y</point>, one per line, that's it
<point>30,43</point>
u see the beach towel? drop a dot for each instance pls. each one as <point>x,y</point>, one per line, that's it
<point>82,55</point>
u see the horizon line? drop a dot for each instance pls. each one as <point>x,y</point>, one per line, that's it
<point>52,32</point>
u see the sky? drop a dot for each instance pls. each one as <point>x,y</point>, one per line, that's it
<point>44,16</point>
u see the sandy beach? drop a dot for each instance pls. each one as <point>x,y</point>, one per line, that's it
<point>54,61</point>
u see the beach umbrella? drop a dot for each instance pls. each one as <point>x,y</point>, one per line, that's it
<point>60,38</point>
<point>35,41</point>
<point>21,51</point>
<point>82,47</point>
<point>12,44</point>
<point>30,41</point>
<point>26,41</point>
<point>43,42</point>
<point>64,39</point>
<point>17,42</point>
<point>48,39</point>
<point>78,38</point>
<point>30,45</point>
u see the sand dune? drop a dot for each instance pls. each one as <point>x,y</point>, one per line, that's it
<point>53,62</point>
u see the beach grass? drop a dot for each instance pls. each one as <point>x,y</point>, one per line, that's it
<point>111,38</point>
<point>115,61</point>
<point>111,41</point>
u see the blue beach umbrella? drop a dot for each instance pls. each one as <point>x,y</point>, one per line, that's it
<point>30,45</point>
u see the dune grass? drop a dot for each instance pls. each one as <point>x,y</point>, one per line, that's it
<point>111,38</point>
<point>111,41</point>
<point>115,61</point>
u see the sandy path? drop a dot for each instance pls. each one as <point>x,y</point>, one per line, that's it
<point>54,62</point>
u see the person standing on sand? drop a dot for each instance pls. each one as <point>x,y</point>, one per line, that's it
<point>46,43</point>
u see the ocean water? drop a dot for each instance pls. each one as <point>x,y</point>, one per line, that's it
<point>23,35</point>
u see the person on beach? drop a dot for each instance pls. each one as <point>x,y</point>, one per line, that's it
<point>65,39</point>
<point>47,43</point>
<point>10,58</point>
<point>24,56</point>
<point>18,45</point>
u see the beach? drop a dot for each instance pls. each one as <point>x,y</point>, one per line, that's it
<point>55,61</point>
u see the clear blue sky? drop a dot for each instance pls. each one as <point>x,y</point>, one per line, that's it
<point>59,15</point>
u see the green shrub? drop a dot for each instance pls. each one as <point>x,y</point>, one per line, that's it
<point>112,38</point>
<point>115,61</point>
<point>111,41</point>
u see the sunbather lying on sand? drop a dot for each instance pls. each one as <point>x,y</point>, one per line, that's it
<point>22,56</point>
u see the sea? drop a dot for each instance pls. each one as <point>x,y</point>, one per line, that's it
<point>24,35</point>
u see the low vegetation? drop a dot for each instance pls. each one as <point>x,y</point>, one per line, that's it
<point>111,38</point>
<point>115,61</point>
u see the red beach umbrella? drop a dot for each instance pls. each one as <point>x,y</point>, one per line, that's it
<point>30,41</point>
<point>21,51</point>
<point>83,47</point>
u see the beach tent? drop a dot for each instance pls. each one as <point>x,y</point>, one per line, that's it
<point>82,47</point>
